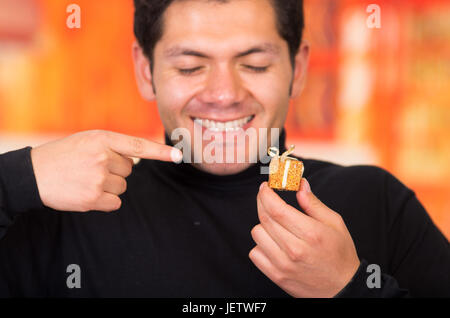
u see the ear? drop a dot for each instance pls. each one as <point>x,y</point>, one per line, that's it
<point>301,69</point>
<point>142,73</point>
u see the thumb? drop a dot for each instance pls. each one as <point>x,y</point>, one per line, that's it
<point>312,206</point>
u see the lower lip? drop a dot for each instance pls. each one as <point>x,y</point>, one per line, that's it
<point>224,132</point>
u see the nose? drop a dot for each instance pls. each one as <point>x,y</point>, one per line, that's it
<point>223,88</point>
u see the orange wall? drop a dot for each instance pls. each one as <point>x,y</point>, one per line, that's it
<point>58,80</point>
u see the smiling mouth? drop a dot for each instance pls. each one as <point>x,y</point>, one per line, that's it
<point>221,126</point>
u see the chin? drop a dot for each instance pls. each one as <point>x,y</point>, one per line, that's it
<point>223,169</point>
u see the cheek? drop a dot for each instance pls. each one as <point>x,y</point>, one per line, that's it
<point>172,95</point>
<point>272,92</point>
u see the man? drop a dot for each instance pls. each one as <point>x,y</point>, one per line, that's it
<point>210,228</point>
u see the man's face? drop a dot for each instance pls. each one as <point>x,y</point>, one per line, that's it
<point>222,68</point>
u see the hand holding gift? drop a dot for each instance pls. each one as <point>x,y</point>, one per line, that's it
<point>308,254</point>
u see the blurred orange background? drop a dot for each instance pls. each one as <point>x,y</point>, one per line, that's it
<point>374,95</point>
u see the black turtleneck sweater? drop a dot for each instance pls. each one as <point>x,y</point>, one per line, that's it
<point>182,232</point>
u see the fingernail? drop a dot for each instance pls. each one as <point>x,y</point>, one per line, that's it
<point>176,155</point>
<point>306,186</point>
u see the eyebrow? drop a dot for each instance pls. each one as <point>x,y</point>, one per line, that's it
<point>183,51</point>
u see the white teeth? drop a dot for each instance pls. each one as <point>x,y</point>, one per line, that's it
<point>216,126</point>
<point>229,125</point>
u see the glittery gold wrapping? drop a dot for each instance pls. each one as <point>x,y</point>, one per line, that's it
<point>276,173</point>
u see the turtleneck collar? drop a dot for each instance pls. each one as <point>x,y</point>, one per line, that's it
<point>192,175</point>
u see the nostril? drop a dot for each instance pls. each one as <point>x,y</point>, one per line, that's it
<point>222,96</point>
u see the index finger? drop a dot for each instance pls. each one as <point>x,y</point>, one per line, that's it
<point>142,148</point>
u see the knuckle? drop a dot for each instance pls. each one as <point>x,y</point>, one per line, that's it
<point>339,219</point>
<point>110,208</point>
<point>252,252</point>
<point>123,187</point>
<point>137,145</point>
<point>313,237</point>
<point>286,267</point>
<point>295,254</point>
<point>277,214</point>
<point>91,200</point>
<point>279,278</point>
<point>102,159</point>
<point>316,204</point>
<point>259,196</point>
<point>95,190</point>
<point>256,230</point>
<point>129,169</point>
<point>84,207</point>
<point>264,218</point>
<point>117,204</point>
<point>96,135</point>
<point>99,181</point>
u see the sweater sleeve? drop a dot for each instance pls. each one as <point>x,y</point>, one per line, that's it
<point>418,253</point>
<point>364,284</point>
<point>18,188</point>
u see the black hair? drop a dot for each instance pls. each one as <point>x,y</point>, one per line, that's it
<point>148,23</point>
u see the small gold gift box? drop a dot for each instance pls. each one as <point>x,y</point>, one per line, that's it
<point>285,173</point>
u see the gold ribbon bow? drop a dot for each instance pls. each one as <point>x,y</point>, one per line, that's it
<point>274,152</point>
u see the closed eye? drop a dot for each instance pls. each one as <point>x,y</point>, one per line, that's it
<point>257,69</point>
<point>189,71</point>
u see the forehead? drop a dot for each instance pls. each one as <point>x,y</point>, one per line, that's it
<point>220,27</point>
